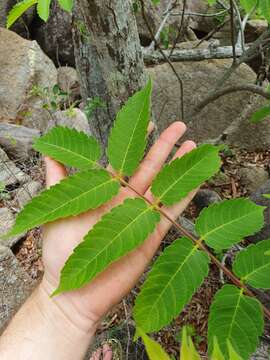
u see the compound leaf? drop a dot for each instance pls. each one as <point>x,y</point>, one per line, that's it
<point>127,140</point>
<point>228,222</point>
<point>18,10</point>
<point>43,9</point>
<point>67,5</point>
<point>153,349</point>
<point>184,174</point>
<point>70,147</point>
<point>236,318</point>
<point>172,281</point>
<point>252,265</point>
<point>72,196</point>
<point>116,234</point>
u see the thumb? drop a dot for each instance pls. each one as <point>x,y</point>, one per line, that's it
<point>54,171</point>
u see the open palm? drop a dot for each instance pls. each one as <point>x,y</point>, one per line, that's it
<point>60,237</point>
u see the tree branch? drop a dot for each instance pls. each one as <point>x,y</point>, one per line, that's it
<point>248,87</point>
<point>212,52</point>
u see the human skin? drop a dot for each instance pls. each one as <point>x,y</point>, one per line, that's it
<point>63,326</point>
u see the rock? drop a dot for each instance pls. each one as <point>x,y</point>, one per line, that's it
<point>27,192</point>
<point>254,28</point>
<point>7,220</point>
<point>198,78</point>
<point>253,177</point>
<point>23,67</point>
<point>259,199</point>
<point>21,26</point>
<point>15,286</point>
<point>17,140</point>
<point>67,79</point>
<point>74,118</point>
<point>10,174</point>
<point>55,37</point>
<point>205,197</point>
<point>241,133</point>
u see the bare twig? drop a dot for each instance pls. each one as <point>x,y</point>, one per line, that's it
<point>156,37</point>
<point>181,85</point>
<point>232,29</point>
<point>217,94</point>
<point>180,30</point>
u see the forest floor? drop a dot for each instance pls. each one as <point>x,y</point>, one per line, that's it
<point>118,326</point>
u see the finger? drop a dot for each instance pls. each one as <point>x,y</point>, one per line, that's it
<point>107,352</point>
<point>186,147</point>
<point>54,171</point>
<point>156,157</point>
<point>96,355</point>
<point>151,127</point>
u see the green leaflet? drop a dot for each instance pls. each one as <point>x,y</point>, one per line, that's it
<point>188,351</point>
<point>127,140</point>
<point>154,350</point>
<point>18,10</point>
<point>260,114</point>
<point>116,234</point>
<point>252,265</point>
<point>43,9</point>
<point>170,285</point>
<point>236,318</point>
<point>70,147</point>
<point>232,353</point>
<point>264,6</point>
<point>184,174</point>
<point>248,5</point>
<point>228,222</point>
<point>72,196</point>
<point>66,4</point>
<point>216,353</point>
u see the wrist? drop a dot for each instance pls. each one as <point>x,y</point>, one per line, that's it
<point>65,311</point>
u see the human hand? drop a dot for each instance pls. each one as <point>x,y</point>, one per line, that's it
<point>86,306</point>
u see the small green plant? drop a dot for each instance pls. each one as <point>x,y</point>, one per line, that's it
<point>54,99</point>
<point>236,317</point>
<point>92,105</point>
<point>4,195</point>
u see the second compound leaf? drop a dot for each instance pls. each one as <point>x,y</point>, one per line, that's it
<point>174,278</point>
<point>118,232</point>
<point>235,318</point>
<point>252,265</point>
<point>226,223</point>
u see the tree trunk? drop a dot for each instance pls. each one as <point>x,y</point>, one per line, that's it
<point>108,58</point>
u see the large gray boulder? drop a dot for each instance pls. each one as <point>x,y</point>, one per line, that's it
<point>17,140</point>
<point>10,174</point>
<point>243,134</point>
<point>199,78</point>
<point>7,220</point>
<point>15,286</point>
<point>23,66</point>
